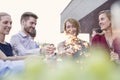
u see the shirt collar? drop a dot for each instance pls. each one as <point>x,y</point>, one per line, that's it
<point>23,34</point>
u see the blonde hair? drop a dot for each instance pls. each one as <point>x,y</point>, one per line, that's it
<point>107,12</point>
<point>3,14</point>
<point>75,24</point>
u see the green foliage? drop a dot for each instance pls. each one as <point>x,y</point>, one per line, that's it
<point>96,66</point>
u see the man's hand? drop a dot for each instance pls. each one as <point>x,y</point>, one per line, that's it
<point>50,49</point>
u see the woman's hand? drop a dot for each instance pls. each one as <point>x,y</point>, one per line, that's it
<point>114,56</point>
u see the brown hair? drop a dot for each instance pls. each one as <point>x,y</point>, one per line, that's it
<point>26,15</point>
<point>75,24</point>
<point>97,30</point>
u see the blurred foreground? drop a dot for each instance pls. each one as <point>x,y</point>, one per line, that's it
<point>95,66</point>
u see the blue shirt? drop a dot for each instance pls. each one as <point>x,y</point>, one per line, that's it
<point>7,49</point>
<point>11,67</point>
<point>23,44</point>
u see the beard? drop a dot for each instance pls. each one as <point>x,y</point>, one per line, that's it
<point>28,29</point>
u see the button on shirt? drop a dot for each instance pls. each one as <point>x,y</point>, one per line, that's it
<point>23,44</point>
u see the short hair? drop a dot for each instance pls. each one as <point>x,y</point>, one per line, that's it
<point>3,14</point>
<point>74,22</point>
<point>107,12</point>
<point>26,15</point>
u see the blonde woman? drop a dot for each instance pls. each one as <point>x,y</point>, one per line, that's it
<point>105,40</point>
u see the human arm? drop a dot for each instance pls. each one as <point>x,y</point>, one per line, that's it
<point>12,58</point>
<point>116,46</point>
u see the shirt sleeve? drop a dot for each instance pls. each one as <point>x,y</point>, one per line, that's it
<point>20,49</point>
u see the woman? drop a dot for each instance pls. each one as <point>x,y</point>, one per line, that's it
<point>73,46</point>
<point>6,52</point>
<point>105,40</point>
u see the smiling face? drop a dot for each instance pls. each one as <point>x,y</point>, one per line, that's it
<point>5,25</point>
<point>70,29</point>
<point>29,25</point>
<point>105,19</point>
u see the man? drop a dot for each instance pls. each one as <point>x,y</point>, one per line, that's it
<point>22,42</point>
